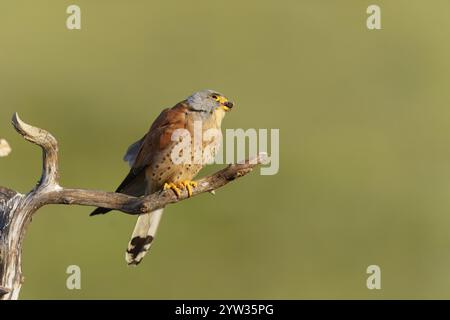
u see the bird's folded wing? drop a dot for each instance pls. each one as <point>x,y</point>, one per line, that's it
<point>144,152</point>
<point>132,152</point>
<point>159,137</point>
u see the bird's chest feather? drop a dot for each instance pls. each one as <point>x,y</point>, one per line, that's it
<point>163,168</point>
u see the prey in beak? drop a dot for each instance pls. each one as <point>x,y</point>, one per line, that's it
<point>224,103</point>
<point>227,105</point>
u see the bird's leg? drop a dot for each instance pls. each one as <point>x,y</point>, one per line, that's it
<point>187,184</point>
<point>174,187</point>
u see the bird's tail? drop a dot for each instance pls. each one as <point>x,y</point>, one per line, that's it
<point>143,235</point>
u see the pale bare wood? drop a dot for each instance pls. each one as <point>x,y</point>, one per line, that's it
<point>17,209</point>
<point>5,148</point>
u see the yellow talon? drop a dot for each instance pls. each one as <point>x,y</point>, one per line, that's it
<point>174,187</point>
<point>187,184</point>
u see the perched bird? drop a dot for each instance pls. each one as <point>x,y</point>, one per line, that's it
<point>152,165</point>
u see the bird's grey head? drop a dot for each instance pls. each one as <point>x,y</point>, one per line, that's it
<point>209,101</point>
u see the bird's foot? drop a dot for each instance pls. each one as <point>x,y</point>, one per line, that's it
<point>188,185</point>
<point>174,187</point>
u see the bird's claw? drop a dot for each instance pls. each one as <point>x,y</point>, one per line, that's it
<point>188,185</point>
<point>174,187</point>
<point>185,184</point>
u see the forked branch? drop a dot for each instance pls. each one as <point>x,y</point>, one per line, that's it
<point>17,209</point>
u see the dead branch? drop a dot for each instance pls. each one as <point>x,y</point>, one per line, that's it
<point>17,209</point>
<point>5,149</point>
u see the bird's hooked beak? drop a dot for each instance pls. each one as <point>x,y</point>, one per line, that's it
<point>225,104</point>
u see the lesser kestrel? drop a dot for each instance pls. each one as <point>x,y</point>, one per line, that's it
<point>152,163</point>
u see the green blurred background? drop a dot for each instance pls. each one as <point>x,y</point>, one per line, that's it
<point>364,122</point>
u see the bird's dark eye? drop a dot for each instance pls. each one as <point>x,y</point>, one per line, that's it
<point>215,97</point>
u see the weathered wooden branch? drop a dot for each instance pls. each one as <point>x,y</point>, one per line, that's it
<point>5,149</point>
<point>17,209</point>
